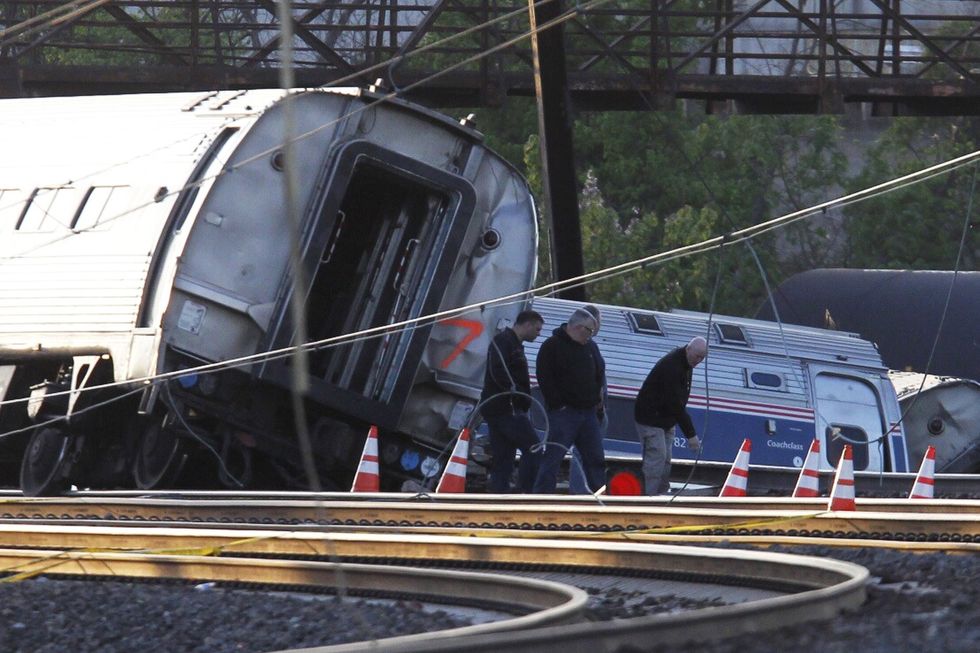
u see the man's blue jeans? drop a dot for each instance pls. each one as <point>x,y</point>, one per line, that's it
<point>578,427</point>
<point>508,433</point>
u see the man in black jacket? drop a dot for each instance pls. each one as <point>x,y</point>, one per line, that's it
<point>571,374</point>
<point>505,403</point>
<point>662,404</point>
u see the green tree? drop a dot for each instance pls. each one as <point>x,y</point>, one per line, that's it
<point>917,227</point>
<point>673,179</point>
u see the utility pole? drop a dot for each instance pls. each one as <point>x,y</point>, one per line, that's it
<point>557,151</point>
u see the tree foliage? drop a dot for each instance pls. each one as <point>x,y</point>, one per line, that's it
<point>667,180</point>
<point>917,227</point>
<point>654,181</point>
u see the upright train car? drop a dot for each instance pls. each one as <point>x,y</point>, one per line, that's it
<point>145,236</point>
<point>781,388</point>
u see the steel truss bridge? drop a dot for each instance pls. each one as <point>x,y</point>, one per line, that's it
<point>763,56</point>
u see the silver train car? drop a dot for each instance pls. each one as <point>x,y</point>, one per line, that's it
<point>779,388</point>
<point>144,235</point>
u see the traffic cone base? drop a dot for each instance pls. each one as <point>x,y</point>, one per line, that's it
<point>808,485</point>
<point>842,494</point>
<point>924,486</point>
<point>738,478</point>
<point>454,476</point>
<point>368,478</point>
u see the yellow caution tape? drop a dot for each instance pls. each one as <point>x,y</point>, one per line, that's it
<point>59,558</point>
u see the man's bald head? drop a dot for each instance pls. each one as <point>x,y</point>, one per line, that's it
<point>697,350</point>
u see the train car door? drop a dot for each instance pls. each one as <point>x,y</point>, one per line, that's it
<point>848,411</point>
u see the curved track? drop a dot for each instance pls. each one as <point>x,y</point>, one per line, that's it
<point>616,537</point>
<point>813,588</point>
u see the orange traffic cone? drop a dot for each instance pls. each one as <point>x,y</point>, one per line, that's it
<point>808,485</point>
<point>367,478</point>
<point>842,494</point>
<point>738,478</point>
<point>454,476</point>
<point>925,481</point>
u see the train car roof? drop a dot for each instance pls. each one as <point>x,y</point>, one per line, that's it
<point>742,337</point>
<point>71,134</point>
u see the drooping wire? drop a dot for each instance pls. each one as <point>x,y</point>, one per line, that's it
<point>299,369</point>
<point>707,386</point>
<point>630,75</point>
<point>896,184</point>
<point>521,296</point>
<point>558,20</point>
<point>967,220</point>
<point>50,18</point>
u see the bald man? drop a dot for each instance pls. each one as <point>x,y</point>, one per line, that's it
<point>661,405</point>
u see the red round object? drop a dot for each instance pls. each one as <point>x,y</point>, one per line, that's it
<point>625,484</point>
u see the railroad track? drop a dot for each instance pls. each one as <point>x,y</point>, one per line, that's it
<point>500,534</point>
<point>937,521</point>
<point>872,504</point>
<point>782,480</point>
<point>809,588</point>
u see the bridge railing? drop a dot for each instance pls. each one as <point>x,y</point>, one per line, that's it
<point>653,40</point>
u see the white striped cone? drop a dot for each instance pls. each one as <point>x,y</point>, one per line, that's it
<point>368,478</point>
<point>454,476</point>
<point>808,485</point>
<point>842,494</point>
<point>738,477</point>
<point>925,481</point>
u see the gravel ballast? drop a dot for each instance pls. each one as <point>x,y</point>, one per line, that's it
<point>916,602</point>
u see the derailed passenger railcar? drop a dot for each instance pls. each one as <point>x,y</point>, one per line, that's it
<point>779,387</point>
<point>143,235</point>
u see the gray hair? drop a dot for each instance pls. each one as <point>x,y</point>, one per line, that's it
<point>594,312</point>
<point>582,316</point>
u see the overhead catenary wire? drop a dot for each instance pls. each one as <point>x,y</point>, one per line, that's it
<point>743,235</point>
<point>630,74</point>
<point>558,20</point>
<point>967,222</point>
<point>604,273</point>
<point>572,283</point>
<point>299,380</point>
<point>50,18</point>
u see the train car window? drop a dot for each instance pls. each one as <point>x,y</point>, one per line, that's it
<point>840,434</point>
<point>730,334</point>
<point>11,206</point>
<point>764,380</point>
<point>26,210</point>
<point>100,206</point>
<point>50,209</point>
<point>645,323</point>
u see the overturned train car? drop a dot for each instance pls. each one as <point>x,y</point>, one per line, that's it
<point>144,235</point>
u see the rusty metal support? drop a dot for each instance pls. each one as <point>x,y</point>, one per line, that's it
<point>557,151</point>
<point>316,44</point>
<point>769,56</point>
<point>903,23</point>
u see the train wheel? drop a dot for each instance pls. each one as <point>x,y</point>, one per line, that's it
<point>44,468</point>
<point>160,458</point>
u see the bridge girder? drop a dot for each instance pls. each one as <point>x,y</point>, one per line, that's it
<point>761,56</point>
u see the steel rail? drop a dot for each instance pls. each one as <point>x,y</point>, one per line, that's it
<point>536,603</point>
<point>14,497</point>
<point>557,516</point>
<point>917,545</point>
<point>820,588</point>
